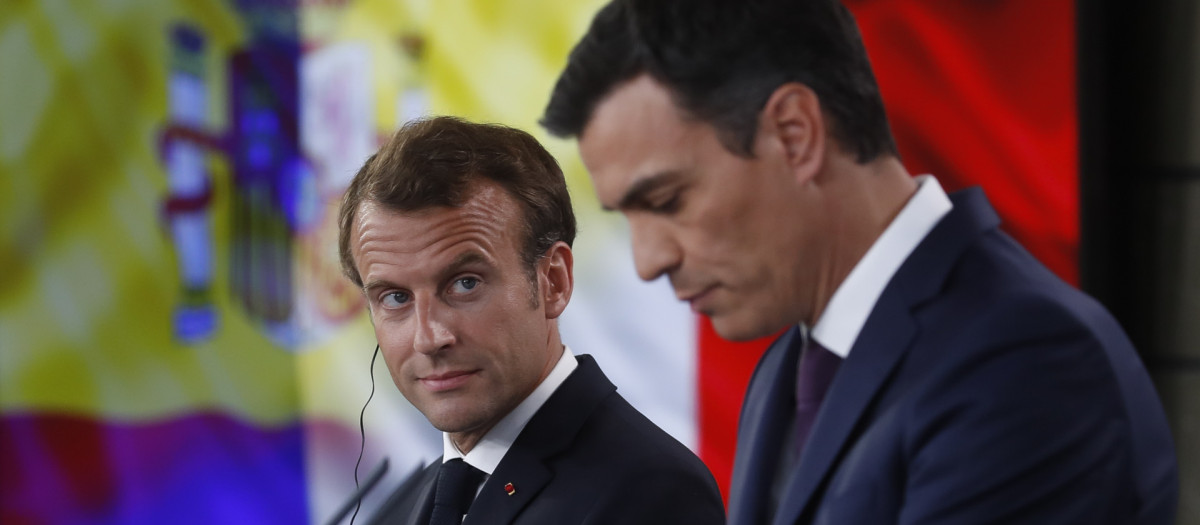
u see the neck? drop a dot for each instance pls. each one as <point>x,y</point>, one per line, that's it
<point>863,199</point>
<point>466,440</point>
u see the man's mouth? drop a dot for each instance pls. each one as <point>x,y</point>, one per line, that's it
<point>696,299</point>
<point>447,380</point>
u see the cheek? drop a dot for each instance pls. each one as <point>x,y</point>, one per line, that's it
<point>394,358</point>
<point>395,366</point>
<point>715,243</point>
<point>514,332</point>
<point>730,221</point>
<point>395,345</point>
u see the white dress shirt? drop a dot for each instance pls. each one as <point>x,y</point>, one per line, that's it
<point>495,444</point>
<point>852,302</point>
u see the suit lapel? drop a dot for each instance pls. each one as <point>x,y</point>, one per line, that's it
<point>883,341</point>
<point>765,416</point>
<point>528,475</point>
<point>424,502</point>
<point>551,430</point>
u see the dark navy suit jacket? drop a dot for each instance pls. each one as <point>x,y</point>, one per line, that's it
<point>982,389</point>
<point>586,456</point>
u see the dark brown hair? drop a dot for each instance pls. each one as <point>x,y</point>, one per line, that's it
<point>434,162</point>
<point>722,60</point>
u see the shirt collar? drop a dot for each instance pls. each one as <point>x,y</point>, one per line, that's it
<point>495,444</point>
<point>852,302</point>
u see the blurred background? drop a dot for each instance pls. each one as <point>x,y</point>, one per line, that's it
<point>177,343</point>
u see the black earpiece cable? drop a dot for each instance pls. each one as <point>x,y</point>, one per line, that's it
<point>362,431</point>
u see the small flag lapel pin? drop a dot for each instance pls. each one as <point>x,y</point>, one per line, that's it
<point>510,489</point>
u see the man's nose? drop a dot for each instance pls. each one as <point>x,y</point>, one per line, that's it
<point>655,252</point>
<point>433,332</point>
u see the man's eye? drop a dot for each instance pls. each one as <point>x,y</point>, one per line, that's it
<point>394,300</point>
<point>670,205</point>
<point>465,284</point>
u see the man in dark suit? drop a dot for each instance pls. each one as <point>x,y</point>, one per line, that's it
<point>459,235</point>
<point>933,371</point>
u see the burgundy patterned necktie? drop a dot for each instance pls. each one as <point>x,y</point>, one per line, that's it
<point>817,368</point>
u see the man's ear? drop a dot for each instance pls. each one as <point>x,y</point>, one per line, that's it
<point>556,271</point>
<point>792,124</point>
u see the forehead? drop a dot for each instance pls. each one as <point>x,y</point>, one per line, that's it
<point>486,222</point>
<point>635,132</point>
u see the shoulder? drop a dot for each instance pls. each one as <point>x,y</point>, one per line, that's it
<point>997,294</point>
<point>598,420</point>
<point>635,443</point>
<point>1025,377</point>
<point>654,477</point>
<point>1004,343</point>
<point>618,466</point>
<point>1003,321</point>
<point>1017,388</point>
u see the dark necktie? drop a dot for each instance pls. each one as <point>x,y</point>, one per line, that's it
<point>817,368</point>
<point>456,485</point>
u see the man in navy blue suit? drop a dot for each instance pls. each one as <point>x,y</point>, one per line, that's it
<point>933,372</point>
<point>459,235</point>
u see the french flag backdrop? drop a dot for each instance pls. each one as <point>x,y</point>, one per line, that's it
<point>176,342</point>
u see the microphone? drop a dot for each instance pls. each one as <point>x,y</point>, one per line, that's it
<point>356,499</point>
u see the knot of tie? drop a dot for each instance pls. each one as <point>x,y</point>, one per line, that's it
<point>456,485</point>
<point>817,368</point>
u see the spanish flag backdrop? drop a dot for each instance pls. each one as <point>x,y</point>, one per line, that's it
<point>176,342</point>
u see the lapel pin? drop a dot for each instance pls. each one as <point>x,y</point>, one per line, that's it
<point>510,489</point>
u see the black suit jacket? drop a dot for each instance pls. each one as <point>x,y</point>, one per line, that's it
<point>586,456</point>
<point>982,389</point>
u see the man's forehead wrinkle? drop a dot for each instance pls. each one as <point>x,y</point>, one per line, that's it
<point>431,245</point>
<point>394,244</point>
<point>431,229</point>
<point>457,252</point>
<point>454,236</point>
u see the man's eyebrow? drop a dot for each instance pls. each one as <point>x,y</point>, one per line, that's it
<point>377,284</point>
<point>465,259</point>
<point>635,196</point>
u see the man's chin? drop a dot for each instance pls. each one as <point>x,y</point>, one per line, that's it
<point>731,328</point>
<point>454,425</point>
<point>452,418</point>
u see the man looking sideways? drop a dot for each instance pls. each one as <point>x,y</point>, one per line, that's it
<point>460,236</point>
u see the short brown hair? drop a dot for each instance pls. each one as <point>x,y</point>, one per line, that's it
<point>433,162</point>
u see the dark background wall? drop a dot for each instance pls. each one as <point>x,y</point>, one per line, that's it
<point>1139,125</point>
